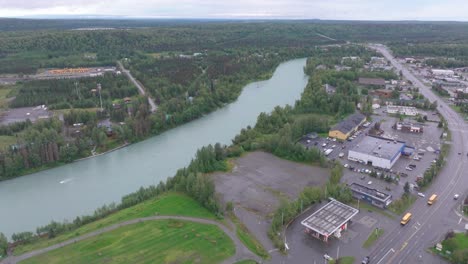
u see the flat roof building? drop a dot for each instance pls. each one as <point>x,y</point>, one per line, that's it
<point>404,110</point>
<point>370,195</point>
<point>377,152</point>
<point>443,72</point>
<point>372,81</point>
<point>329,220</point>
<point>346,127</point>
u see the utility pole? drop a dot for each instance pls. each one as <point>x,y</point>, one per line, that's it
<point>338,253</point>
<point>100,98</point>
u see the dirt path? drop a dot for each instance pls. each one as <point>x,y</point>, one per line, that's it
<point>241,251</point>
<point>140,87</point>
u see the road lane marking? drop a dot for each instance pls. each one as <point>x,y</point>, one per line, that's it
<point>459,221</point>
<point>388,252</point>
<point>404,245</point>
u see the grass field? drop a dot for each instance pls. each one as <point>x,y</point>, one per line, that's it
<point>164,241</point>
<point>401,205</point>
<point>248,239</point>
<point>168,204</point>
<point>4,93</point>
<point>373,237</point>
<point>6,141</point>
<point>248,261</point>
<point>371,208</point>
<point>343,260</point>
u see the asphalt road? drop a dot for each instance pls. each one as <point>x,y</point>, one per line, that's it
<point>151,102</point>
<point>241,251</point>
<point>408,244</point>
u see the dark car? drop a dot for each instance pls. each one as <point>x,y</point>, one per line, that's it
<point>366,260</point>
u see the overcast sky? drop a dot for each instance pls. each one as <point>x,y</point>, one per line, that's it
<point>294,9</point>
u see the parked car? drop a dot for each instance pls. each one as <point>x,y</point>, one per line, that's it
<point>455,197</point>
<point>346,165</point>
<point>403,174</point>
<point>412,166</point>
<point>409,168</point>
<point>421,195</point>
<point>341,155</point>
<point>366,260</point>
<point>327,257</point>
<point>362,177</point>
<point>369,182</point>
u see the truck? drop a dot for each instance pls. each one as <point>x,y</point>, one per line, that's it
<point>328,151</point>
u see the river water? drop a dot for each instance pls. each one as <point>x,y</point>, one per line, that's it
<point>79,188</point>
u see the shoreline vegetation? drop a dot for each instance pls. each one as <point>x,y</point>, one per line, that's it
<point>276,133</point>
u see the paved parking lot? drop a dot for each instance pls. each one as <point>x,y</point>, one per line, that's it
<point>304,247</point>
<point>425,145</point>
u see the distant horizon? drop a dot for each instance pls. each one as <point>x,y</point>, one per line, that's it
<point>116,17</point>
<point>340,10</point>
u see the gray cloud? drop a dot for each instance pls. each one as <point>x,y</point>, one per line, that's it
<point>323,9</point>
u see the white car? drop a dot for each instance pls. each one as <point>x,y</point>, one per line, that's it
<point>327,257</point>
<point>455,197</point>
<point>409,168</point>
<point>369,183</point>
<point>421,195</point>
<point>324,144</point>
<point>346,165</point>
<point>334,146</point>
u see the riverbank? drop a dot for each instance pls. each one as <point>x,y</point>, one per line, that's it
<point>143,163</point>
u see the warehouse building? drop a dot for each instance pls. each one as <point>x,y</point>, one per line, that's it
<point>330,220</point>
<point>377,152</point>
<point>370,195</point>
<point>346,127</point>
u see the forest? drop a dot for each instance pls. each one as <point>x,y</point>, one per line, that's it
<point>74,93</point>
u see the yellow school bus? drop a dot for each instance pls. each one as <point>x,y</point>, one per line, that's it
<point>405,218</point>
<point>432,199</point>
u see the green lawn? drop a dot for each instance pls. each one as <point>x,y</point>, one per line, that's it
<point>248,261</point>
<point>371,208</point>
<point>6,141</point>
<point>248,239</point>
<point>343,260</point>
<point>373,237</point>
<point>168,204</point>
<point>4,95</point>
<point>164,241</point>
<point>401,205</point>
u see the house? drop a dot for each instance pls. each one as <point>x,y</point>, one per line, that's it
<point>330,89</point>
<point>372,81</point>
<point>346,127</point>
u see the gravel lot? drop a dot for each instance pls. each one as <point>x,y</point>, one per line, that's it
<point>257,184</point>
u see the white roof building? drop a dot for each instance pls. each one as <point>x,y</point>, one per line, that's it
<point>443,72</point>
<point>404,110</point>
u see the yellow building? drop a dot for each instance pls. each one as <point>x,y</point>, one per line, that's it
<point>346,127</point>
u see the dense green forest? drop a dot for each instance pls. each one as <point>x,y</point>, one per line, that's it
<point>74,93</point>
<point>26,45</point>
<point>441,55</point>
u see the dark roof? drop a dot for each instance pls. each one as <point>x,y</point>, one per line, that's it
<point>371,81</point>
<point>349,123</point>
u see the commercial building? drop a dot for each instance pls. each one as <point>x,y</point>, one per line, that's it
<point>377,152</point>
<point>408,127</point>
<point>370,195</point>
<point>403,110</point>
<point>346,127</point>
<point>442,72</point>
<point>372,81</point>
<point>330,220</point>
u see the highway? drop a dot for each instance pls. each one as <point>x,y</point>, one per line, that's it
<point>151,102</point>
<point>429,224</point>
